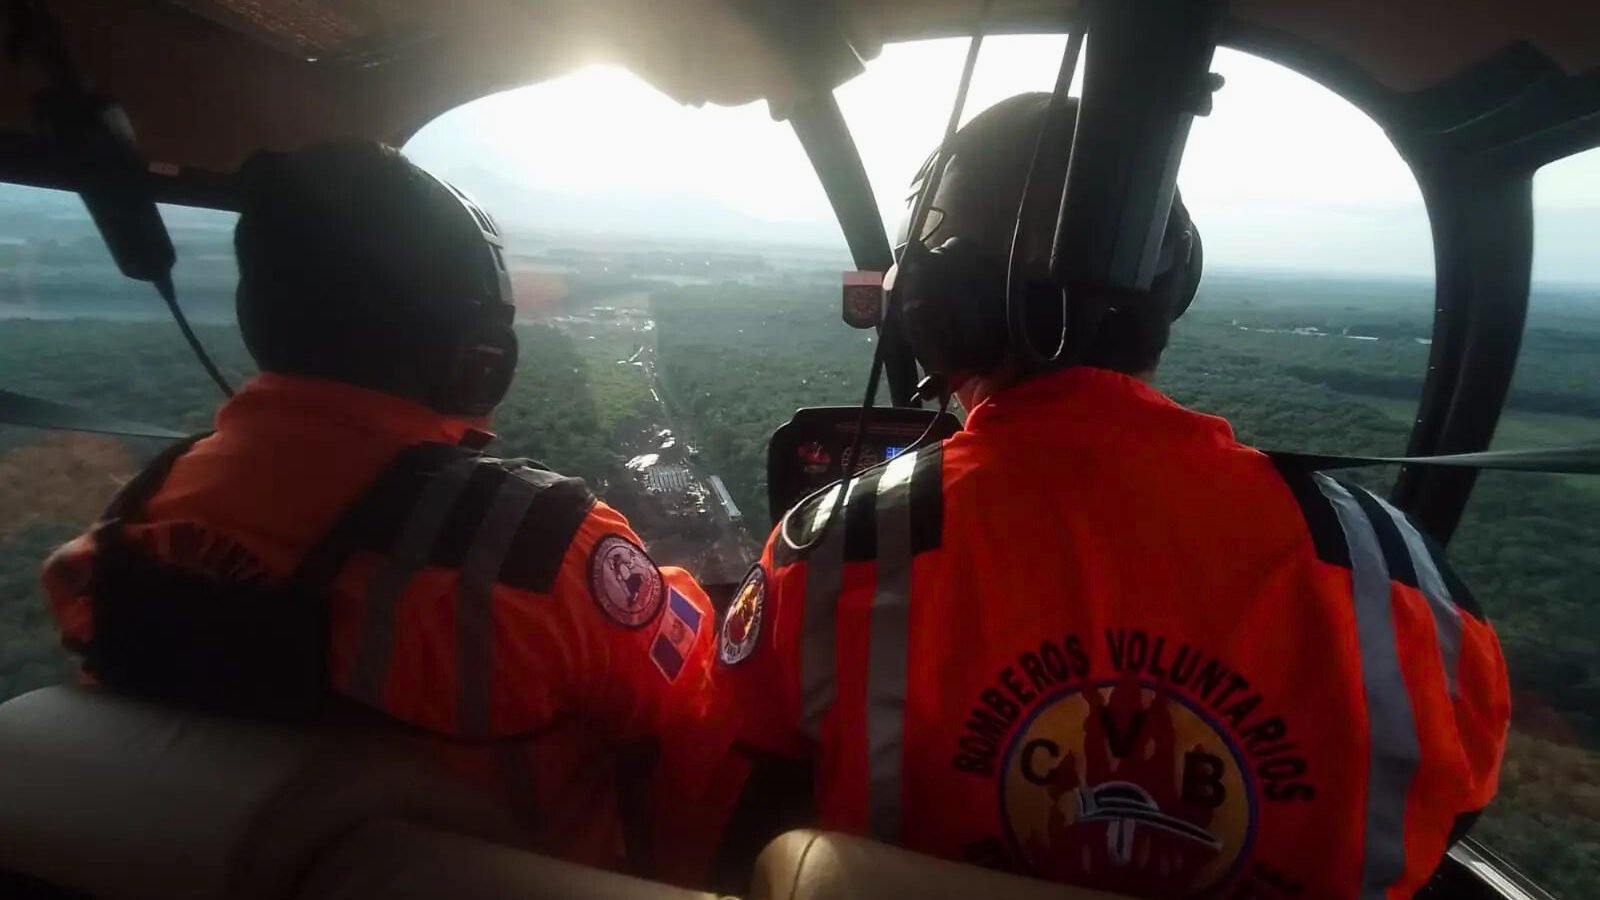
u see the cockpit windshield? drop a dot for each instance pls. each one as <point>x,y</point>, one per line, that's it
<point>677,275</point>
<point>678,272</point>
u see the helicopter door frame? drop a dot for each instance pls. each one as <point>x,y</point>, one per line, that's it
<point>1473,143</point>
<point>825,136</point>
<point>33,160</point>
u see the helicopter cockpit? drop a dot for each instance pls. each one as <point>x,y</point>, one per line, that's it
<point>1400,204</point>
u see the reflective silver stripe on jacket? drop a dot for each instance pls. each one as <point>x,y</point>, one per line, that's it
<point>887,650</point>
<point>371,668</point>
<point>1446,617</point>
<point>824,580</point>
<point>1394,750</point>
<point>480,568</point>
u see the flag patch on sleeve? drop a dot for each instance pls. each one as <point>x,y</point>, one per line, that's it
<point>675,637</point>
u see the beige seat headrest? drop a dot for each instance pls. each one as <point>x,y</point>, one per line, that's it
<point>124,799</point>
<point>391,860</point>
<point>817,865</point>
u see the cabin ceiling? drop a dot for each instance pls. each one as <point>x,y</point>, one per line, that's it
<point>208,81</point>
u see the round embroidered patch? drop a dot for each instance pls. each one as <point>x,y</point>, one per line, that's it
<point>742,627</point>
<point>624,582</point>
<point>1129,777</point>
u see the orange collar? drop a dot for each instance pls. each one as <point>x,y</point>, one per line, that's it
<point>279,404</point>
<point>1084,401</point>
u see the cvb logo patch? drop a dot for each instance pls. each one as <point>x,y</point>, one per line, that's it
<point>1143,769</point>
<point>676,636</point>
<point>1127,787</point>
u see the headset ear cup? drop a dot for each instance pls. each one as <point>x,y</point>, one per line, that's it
<point>919,309</point>
<point>953,303</point>
<point>488,365</point>
<point>1187,259</point>
<point>978,331</point>
<point>1190,276</point>
<point>983,330</point>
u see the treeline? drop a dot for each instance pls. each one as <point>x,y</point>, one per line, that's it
<point>556,412</point>
<point>737,360</point>
<point>1555,368</point>
<point>1576,399</point>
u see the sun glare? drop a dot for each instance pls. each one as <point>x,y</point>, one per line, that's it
<point>1284,172</point>
<point>603,129</point>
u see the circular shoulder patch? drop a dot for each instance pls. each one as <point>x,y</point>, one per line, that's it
<point>742,626</point>
<point>624,582</point>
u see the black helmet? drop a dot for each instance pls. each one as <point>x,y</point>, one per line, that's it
<point>953,283</point>
<point>357,266</point>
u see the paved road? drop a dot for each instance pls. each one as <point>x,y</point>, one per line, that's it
<point>668,496</point>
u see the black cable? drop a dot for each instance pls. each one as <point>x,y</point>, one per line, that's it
<point>843,484</point>
<point>867,402</point>
<point>920,211</point>
<point>169,293</point>
<point>117,198</point>
<point>930,186</point>
<point>1022,347</point>
<point>919,215</point>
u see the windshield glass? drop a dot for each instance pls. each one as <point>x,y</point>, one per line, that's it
<point>677,273</point>
<point>73,330</point>
<point>678,277</point>
<point>1527,546</point>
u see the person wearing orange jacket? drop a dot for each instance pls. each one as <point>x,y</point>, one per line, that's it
<point>341,533</point>
<point>1092,637</point>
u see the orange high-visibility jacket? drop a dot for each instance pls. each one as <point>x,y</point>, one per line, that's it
<point>1094,639</point>
<point>487,601</point>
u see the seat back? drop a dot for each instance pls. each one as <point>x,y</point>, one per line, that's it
<point>131,801</point>
<point>817,865</point>
<point>392,860</point>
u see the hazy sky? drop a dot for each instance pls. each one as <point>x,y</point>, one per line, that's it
<point>1283,174</point>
